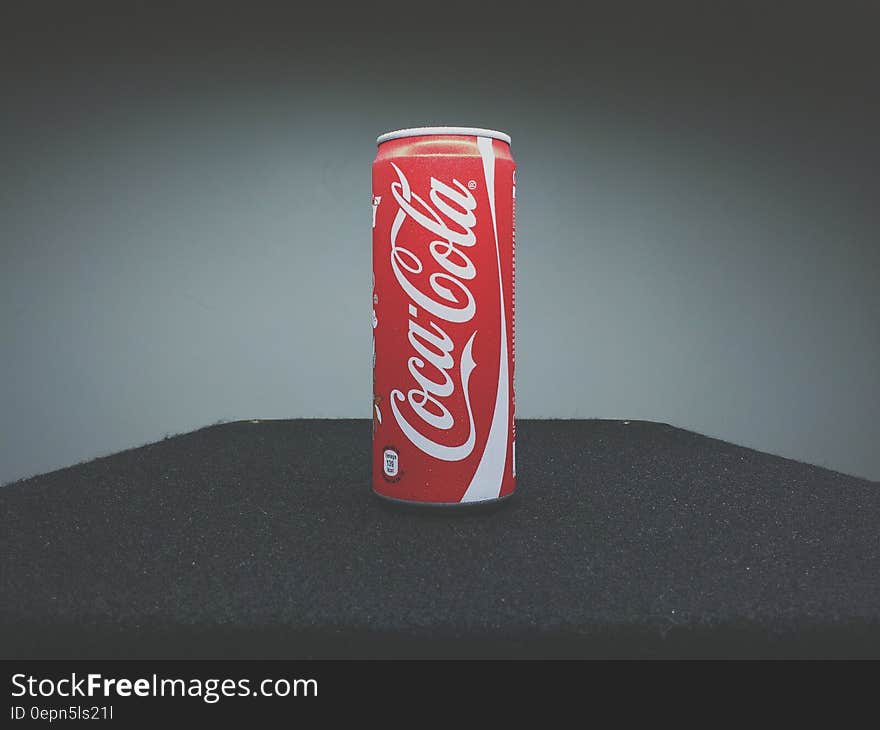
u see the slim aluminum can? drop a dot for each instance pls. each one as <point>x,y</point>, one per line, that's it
<point>443,316</point>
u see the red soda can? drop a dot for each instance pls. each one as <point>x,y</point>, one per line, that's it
<point>443,316</point>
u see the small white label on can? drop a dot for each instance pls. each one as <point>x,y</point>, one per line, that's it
<point>376,200</point>
<point>389,463</point>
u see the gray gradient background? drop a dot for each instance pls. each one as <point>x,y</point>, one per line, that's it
<point>185,221</point>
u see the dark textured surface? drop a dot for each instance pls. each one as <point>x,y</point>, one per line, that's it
<point>263,539</point>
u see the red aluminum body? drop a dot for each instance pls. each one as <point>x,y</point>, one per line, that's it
<point>443,317</point>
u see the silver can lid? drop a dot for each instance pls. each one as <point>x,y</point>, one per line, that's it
<point>423,131</point>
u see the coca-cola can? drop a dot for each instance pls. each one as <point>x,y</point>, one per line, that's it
<point>443,316</point>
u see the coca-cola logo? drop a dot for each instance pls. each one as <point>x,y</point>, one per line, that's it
<point>437,300</point>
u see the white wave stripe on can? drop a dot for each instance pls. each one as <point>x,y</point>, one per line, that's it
<point>486,482</point>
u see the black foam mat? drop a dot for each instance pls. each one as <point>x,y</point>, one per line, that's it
<point>263,539</point>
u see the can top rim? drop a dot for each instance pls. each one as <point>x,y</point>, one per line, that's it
<point>424,131</point>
